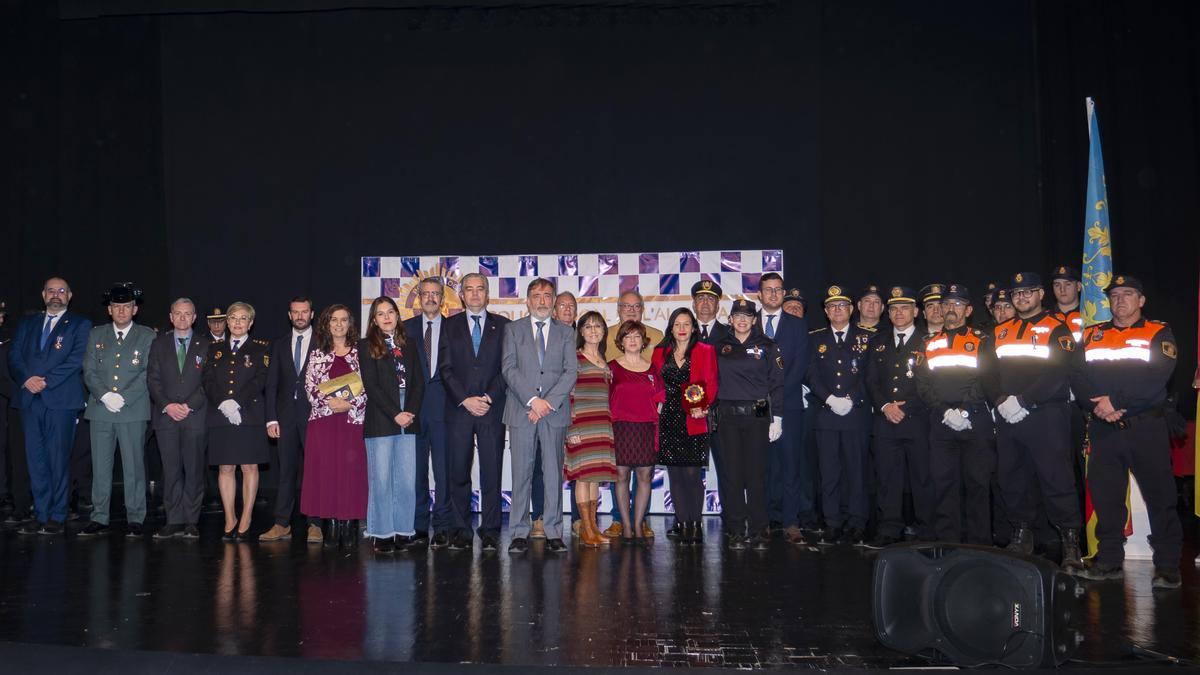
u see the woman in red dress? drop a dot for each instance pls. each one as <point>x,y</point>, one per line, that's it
<point>634,396</point>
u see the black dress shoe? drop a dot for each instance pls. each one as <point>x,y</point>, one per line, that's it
<point>829,536</point>
<point>383,545</point>
<point>134,530</point>
<point>230,535</point>
<point>460,541</point>
<point>421,538</point>
<point>29,527</point>
<point>555,546</point>
<point>880,541</point>
<point>854,537</point>
<point>439,540</point>
<point>676,531</point>
<point>190,532</point>
<point>491,542</point>
<point>738,543</point>
<point>761,542</point>
<point>1166,578</point>
<point>51,527</point>
<point>169,531</point>
<point>401,541</point>
<point>518,545</point>
<point>93,528</point>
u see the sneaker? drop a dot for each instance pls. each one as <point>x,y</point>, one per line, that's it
<point>276,533</point>
<point>538,531</point>
<point>93,528</point>
<point>314,534</point>
<point>190,532</point>
<point>1099,572</point>
<point>490,542</point>
<point>518,545</point>
<point>555,546</point>
<point>460,541</point>
<point>1166,578</point>
<point>167,532</point>
<point>613,531</point>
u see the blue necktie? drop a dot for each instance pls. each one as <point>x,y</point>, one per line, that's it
<point>46,331</point>
<point>234,347</point>
<point>476,334</point>
<point>541,340</point>
<point>297,357</point>
<point>771,326</point>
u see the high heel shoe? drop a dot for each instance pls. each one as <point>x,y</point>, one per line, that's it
<point>230,535</point>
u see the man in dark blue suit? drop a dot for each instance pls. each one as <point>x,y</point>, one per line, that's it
<point>46,363</point>
<point>469,364</point>
<point>789,481</point>
<point>425,330</point>
<point>836,376</point>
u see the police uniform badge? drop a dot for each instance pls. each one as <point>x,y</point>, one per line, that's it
<point>727,349</point>
<point>896,292</point>
<point>1119,281</point>
<point>266,360</point>
<point>199,362</point>
<point>1168,350</point>
<point>1062,270</point>
<point>1098,335</point>
<point>248,364</point>
<point>706,285</point>
<point>58,343</point>
<point>821,349</point>
<point>970,347</point>
<point>217,356</point>
<point>779,362</point>
<point>881,348</point>
<point>1019,278</point>
<point>1003,333</point>
<point>936,288</point>
<point>1067,343</point>
<point>920,358</point>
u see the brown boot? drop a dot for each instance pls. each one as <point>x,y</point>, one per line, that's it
<point>591,533</point>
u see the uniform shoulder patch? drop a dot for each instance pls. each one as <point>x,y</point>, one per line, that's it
<point>261,342</point>
<point>1169,350</point>
<point>1067,343</point>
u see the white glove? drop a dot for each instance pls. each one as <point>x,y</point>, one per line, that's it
<point>953,418</point>
<point>1008,408</point>
<point>1021,414</point>
<point>804,390</point>
<point>776,429</point>
<point>113,401</point>
<point>842,406</point>
<point>231,410</point>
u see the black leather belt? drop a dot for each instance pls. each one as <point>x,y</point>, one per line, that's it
<point>759,408</point>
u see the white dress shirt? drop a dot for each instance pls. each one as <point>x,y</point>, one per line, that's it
<point>435,337</point>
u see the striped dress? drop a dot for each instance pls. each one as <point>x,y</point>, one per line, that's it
<point>593,458</point>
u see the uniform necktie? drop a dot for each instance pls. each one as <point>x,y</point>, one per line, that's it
<point>429,345</point>
<point>541,340</point>
<point>771,326</point>
<point>298,355</point>
<point>840,335</point>
<point>181,352</point>
<point>900,342</point>
<point>46,331</point>
<point>120,336</point>
<point>703,332</point>
<point>476,334</point>
<point>236,344</point>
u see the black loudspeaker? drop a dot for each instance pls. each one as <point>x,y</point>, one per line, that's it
<point>974,605</point>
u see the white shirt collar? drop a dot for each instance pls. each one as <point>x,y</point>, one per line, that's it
<point>125,331</point>
<point>306,333</point>
<point>907,333</point>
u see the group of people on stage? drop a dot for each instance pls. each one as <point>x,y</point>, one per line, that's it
<point>816,435</point>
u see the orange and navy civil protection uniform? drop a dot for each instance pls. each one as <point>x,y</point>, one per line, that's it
<point>1132,366</point>
<point>1038,363</point>
<point>957,371</point>
<point>1074,321</point>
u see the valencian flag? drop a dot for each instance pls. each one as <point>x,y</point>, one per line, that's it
<point>1097,273</point>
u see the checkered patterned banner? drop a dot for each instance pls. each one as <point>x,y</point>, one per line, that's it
<point>597,279</point>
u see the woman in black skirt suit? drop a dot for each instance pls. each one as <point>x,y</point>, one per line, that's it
<point>234,375</point>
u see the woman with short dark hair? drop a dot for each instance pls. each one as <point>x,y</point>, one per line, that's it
<point>634,395</point>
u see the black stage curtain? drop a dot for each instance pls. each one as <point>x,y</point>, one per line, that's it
<point>257,154</point>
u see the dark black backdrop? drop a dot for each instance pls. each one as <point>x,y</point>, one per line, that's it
<point>259,154</point>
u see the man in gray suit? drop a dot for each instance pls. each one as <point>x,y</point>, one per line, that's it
<point>114,370</point>
<point>176,388</point>
<point>539,367</point>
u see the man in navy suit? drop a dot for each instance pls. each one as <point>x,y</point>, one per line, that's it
<point>789,481</point>
<point>469,363</point>
<point>425,330</point>
<point>46,362</point>
<point>287,417</point>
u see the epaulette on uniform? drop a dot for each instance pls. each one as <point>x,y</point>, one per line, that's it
<point>261,342</point>
<point>818,330</point>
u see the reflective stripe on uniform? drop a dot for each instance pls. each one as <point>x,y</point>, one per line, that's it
<point>952,360</point>
<point>1011,350</point>
<point>1119,354</point>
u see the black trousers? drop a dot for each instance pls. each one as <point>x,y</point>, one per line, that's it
<point>843,465</point>
<point>81,458</point>
<point>900,461</point>
<point>742,471</point>
<point>291,458</point>
<point>1143,448</point>
<point>962,464</point>
<point>181,448</point>
<point>1034,454</point>
<point>687,492</point>
<point>463,433</point>
<point>18,466</point>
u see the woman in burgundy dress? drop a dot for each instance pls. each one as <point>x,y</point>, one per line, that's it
<point>335,458</point>
<point>634,396</point>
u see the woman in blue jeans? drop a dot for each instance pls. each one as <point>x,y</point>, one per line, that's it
<point>394,385</point>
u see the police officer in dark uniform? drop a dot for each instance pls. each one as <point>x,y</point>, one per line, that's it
<point>1038,364</point>
<point>793,303</point>
<point>836,379</point>
<point>235,374</point>
<point>931,307</point>
<point>1128,363</point>
<point>901,428</point>
<point>956,377</point>
<point>870,310</point>
<point>749,416</point>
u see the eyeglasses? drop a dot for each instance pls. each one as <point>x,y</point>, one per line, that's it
<point>1023,292</point>
<point>957,304</point>
<point>239,319</point>
<point>433,295</point>
<point>838,305</point>
<point>56,291</point>
<point>773,290</point>
<point>627,305</point>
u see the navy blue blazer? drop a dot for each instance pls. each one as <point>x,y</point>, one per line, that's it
<point>434,405</point>
<point>791,335</point>
<point>839,370</point>
<point>61,362</point>
<point>465,374</point>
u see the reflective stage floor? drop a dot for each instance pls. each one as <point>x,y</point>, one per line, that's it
<point>663,605</point>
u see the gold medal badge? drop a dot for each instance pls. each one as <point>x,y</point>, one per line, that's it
<point>217,356</point>
<point>822,348</point>
<point>1168,350</point>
